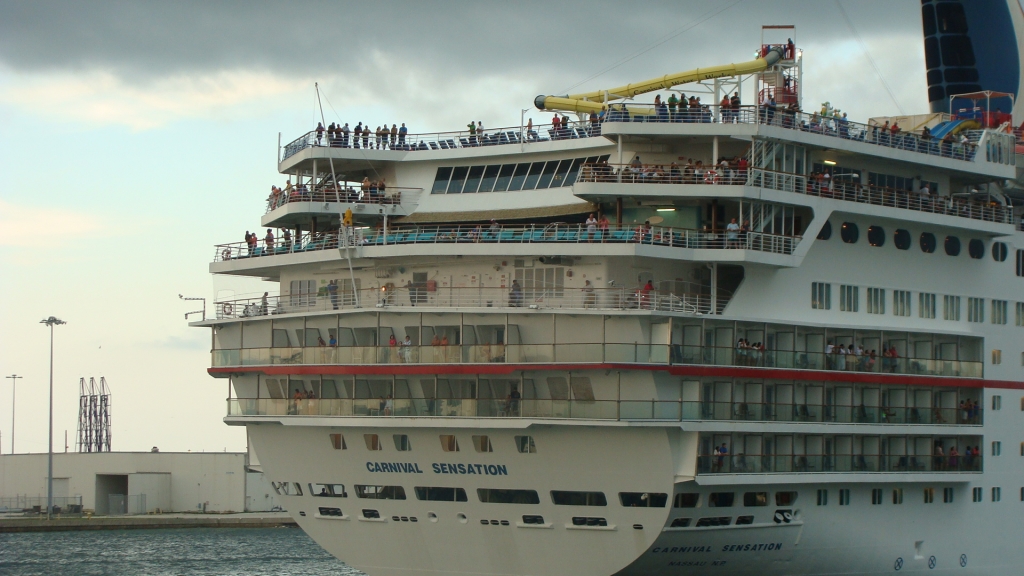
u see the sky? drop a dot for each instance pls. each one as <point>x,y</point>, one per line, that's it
<point>135,136</point>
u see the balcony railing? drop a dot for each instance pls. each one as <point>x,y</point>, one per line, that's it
<point>594,353</point>
<point>522,135</point>
<point>835,188</point>
<point>847,463</point>
<point>481,297</point>
<point>355,194</point>
<point>558,233</point>
<point>667,410</point>
<point>786,118</point>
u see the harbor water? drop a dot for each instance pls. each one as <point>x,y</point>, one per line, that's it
<point>192,552</point>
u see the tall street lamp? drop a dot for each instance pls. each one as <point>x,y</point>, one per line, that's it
<point>14,386</point>
<point>51,322</point>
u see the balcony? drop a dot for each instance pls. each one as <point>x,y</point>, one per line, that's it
<point>617,410</point>
<point>557,233</point>
<point>589,353</point>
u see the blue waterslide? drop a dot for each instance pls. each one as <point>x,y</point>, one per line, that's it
<point>948,127</point>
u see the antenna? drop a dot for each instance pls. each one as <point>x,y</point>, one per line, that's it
<point>93,416</point>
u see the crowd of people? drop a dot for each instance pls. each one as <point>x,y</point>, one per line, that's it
<point>341,136</point>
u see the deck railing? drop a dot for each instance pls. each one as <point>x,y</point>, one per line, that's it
<point>830,463</point>
<point>589,353</point>
<point>350,194</point>
<point>835,188</point>
<point>522,135</point>
<point>480,297</point>
<point>669,410</point>
<point>559,233</point>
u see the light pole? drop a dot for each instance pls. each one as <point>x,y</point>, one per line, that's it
<point>14,386</point>
<point>51,322</point>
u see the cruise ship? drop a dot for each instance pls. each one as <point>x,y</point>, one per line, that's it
<point>675,332</point>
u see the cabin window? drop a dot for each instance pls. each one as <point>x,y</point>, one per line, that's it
<point>929,495</point>
<point>436,494</point>
<point>482,444</point>
<point>876,496</point>
<point>574,498</point>
<point>821,296</point>
<point>876,236</point>
<point>505,496</point>
<point>997,448</point>
<point>976,495</point>
<point>338,442</point>
<point>844,497</point>
<point>380,492</point>
<point>901,238</point>
<point>685,500</point>
<point>997,402</point>
<point>449,443</point>
<point>402,443</point>
<point>849,298</point>
<point>685,522</point>
<point>721,499</point>
<point>324,511</point>
<point>999,251</point>
<point>1000,313</point>
<point>785,498</point>
<point>947,495</point>
<point>371,514</point>
<point>525,444</point>
<point>975,309</point>
<point>826,231</point>
<point>876,300</point>
<point>997,494</point>
<point>588,521</point>
<point>952,246</point>
<point>951,308</point>
<point>927,242</point>
<point>643,499</point>
<point>532,519</point>
<point>743,520</point>
<point>822,497</point>
<point>976,249</point>
<point>755,499</point>
<point>926,305</point>
<point>328,490</point>
<point>714,521</point>
<point>897,495</point>
<point>849,232</point>
<point>372,442</point>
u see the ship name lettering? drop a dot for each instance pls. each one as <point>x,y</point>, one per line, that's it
<point>752,547</point>
<point>681,549</point>
<point>399,467</point>
<point>484,469</point>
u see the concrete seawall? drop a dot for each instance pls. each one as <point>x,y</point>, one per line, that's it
<point>152,521</point>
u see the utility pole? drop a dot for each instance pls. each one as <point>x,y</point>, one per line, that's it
<point>51,322</point>
<point>14,386</point>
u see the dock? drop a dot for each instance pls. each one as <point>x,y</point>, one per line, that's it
<point>146,522</point>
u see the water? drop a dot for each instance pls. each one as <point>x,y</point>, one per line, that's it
<point>191,551</point>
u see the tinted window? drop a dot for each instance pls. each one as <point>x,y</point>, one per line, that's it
<point>441,180</point>
<point>927,242</point>
<point>440,494</point>
<point>533,176</point>
<point>999,251</point>
<point>574,171</point>
<point>504,177</point>
<point>685,500</point>
<point>876,236</point>
<point>519,177</point>
<point>826,231</point>
<point>547,174</point>
<point>458,178</point>
<point>643,499</point>
<point>755,499</point>
<point>499,496</point>
<point>901,239</point>
<point>952,245</point>
<point>976,248</point>
<point>721,499</point>
<point>849,233</point>
<point>473,181</point>
<point>568,498</point>
<point>490,175</point>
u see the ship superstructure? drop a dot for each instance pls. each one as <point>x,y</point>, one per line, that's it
<point>722,338</point>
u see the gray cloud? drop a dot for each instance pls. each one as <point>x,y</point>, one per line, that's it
<point>140,41</point>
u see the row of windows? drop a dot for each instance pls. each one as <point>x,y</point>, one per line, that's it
<point>449,443</point>
<point>878,496</point>
<point>850,233</point>
<point>509,177</point>
<point>849,301</point>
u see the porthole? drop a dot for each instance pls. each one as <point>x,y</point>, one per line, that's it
<point>826,231</point>
<point>999,251</point>
<point>849,233</point>
<point>927,242</point>
<point>876,236</point>
<point>952,245</point>
<point>901,239</point>
<point>976,248</point>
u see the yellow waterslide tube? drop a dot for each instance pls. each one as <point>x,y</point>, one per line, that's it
<point>588,102</point>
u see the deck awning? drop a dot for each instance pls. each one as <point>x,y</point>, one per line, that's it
<point>500,215</point>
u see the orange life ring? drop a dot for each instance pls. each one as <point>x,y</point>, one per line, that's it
<point>225,254</point>
<point>228,309</point>
<point>711,177</point>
